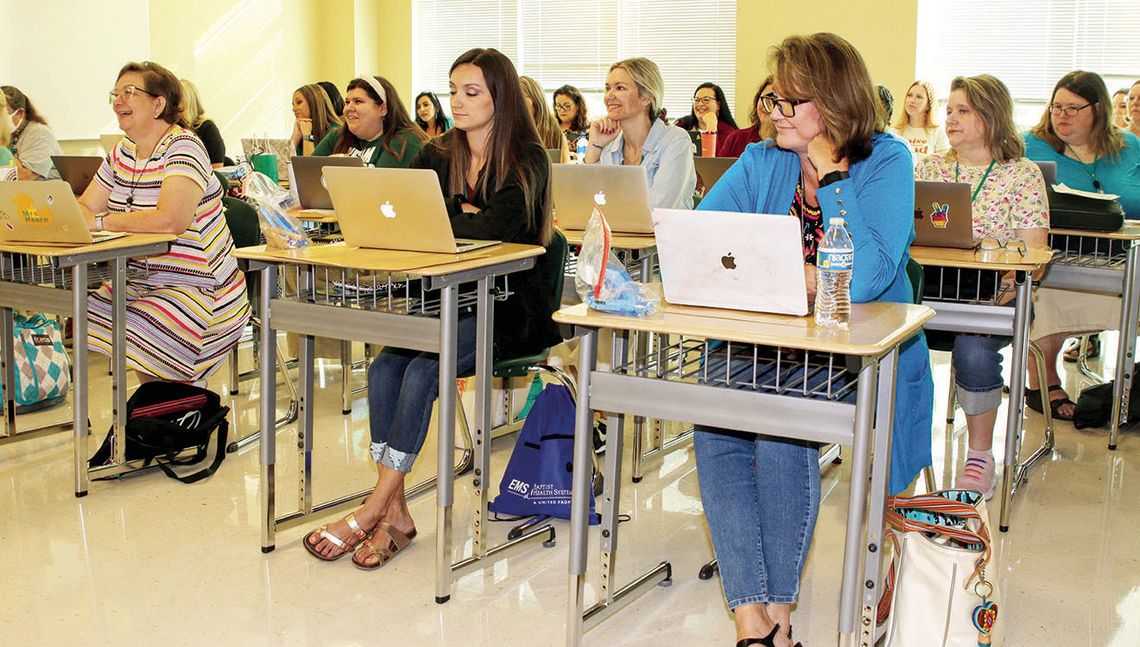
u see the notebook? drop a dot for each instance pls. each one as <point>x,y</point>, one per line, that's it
<point>77,170</point>
<point>44,212</point>
<point>621,191</point>
<point>943,216</point>
<point>308,178</point>
<point>394,208</point>
<point>739,261</point>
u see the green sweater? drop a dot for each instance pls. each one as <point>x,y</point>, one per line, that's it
<point>5,156</point>
<point>374,153</point>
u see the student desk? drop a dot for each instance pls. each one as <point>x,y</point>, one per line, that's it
<point>56,279</point>
<point>1095,261</point>
<point>972,311</point>
<point>392,298</point>
<point>683,387</point>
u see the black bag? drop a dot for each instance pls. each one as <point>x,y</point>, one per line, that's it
<point>1094,405</point>
<point>1067,211</point>
<point>166,419</point>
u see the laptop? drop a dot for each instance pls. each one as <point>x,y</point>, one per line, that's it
<point>109,142</point>
<point>739,261</point>
<point>282,148</point>
<point>711,168</point>
<point>621,191</point>
<point>1048,171</point>
<point>77,170</point>
<point>307,177</point>
<point>44,212</point>
<point>394,208</point>
<point>554,155</point>
<point>943,216</point>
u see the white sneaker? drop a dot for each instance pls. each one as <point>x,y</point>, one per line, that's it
<point>979,474</point>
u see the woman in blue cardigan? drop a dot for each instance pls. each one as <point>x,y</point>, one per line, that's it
<point>828,160</point>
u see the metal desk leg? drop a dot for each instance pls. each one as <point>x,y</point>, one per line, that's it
<point>857,500</point>
<point>346,377</point>
<point>580,493</point>
<point>1124,357</point>
<point>483,377</point>
<point>8,371</point>
<point>445,487</point>
<point>1013,425</point>
<point>79,380</point>
<point>876,507</point>
<point>268,445</point>
<point>639,348</point>
<point>306,374</point>
<point>119,359</point>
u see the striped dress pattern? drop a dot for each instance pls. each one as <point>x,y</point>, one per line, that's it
<point>190,305</point>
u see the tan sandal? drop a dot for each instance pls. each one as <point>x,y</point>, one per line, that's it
<point>397,541</point>
<point>345,547</point>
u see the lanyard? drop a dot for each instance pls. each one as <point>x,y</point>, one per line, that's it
<point>974,195</point>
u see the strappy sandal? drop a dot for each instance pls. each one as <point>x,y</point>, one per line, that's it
<point>1033,400</point>
<point>766,641</point>
<point>345,547</point>
<point>397,541</point>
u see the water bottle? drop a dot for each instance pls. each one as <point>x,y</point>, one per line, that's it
<point>581,147</point>
<point>834,260</point>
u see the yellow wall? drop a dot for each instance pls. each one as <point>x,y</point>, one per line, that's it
<point>884,33</point>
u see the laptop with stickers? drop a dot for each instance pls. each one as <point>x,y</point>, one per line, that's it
<point>943,216</point>
<point>45,213</point>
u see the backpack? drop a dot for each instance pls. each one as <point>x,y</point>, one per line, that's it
<point>1094,405</point>
<point>42,367</point>
<point>539,475</point>
<point>166,419</point>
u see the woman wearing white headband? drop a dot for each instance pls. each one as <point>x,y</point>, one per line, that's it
<point>377,126</point>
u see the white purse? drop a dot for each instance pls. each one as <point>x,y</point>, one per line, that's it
<point>937,592</point>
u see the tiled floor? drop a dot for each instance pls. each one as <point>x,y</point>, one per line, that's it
<point>146,560</point>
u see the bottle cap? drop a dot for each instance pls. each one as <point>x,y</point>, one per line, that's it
<point>836,221</point>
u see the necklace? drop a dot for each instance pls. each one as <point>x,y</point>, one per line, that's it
<point>974,195</point>
<point>137,174</point>
<point>1084,167</point>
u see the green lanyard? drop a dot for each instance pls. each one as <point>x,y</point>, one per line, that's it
<point>974,195</point>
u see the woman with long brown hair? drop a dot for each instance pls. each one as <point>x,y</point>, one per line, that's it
<point>494,170</point>
<point>547,126</point>
<point>377,126</point>
<point>32,141</point>
<point>313,117</point>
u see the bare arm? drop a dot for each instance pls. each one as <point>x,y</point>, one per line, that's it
<point>177,203</point>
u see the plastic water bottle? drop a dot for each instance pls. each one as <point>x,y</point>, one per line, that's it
<point>834,261</point>
<point>580,148</point>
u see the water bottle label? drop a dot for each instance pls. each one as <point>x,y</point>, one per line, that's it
<point>835,259</point>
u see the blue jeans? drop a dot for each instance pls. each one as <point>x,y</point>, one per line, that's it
<point>402,387</point>
<point>977,372</point>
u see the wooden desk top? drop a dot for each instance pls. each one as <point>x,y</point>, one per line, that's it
<point>342,256</point>
<point>53,251</point>
<point>1001,259</point>
<point>874,328</point>
<point>1130,231</point>
<point>320,216</point>
<point>617,241</point>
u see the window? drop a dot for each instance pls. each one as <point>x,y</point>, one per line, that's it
<point>560,42</point>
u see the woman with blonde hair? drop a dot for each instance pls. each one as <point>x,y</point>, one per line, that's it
<point>313,117</point>
<point>547,126</point>
<point>916,122</point>
<point>204,128</point>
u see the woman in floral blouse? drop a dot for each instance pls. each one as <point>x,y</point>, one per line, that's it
<point>1009,204</point>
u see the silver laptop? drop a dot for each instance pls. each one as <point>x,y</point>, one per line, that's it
<point>740,261</point>
<point>554,155</point>
<point>394,208</point>
<point>77,170</point>
<point>622,191</point>
<point>45,213</point>
<point>1048,171</point>
<point>943,216</point>
<point>307,176</point>
<point>282,148</point>
<point>711,168</point>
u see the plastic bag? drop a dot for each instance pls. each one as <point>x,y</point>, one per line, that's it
<point>602,281</point>
<point>281,229</point>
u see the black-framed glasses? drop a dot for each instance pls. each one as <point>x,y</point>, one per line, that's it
<point>787,106</point>
<point>1057,109</point>
<point>703,100</point>
<point>127,92</point>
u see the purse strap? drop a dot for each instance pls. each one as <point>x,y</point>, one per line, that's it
<point>935,504</point>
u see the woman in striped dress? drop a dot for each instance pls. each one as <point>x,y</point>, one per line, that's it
<point>190,305</point>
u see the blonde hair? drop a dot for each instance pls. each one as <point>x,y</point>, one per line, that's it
<point>647,77</point>
<point>928,122</point>
<point>5,126</point>
<point>989,97</point>
<point>191,106</point>
<point>547,126</point>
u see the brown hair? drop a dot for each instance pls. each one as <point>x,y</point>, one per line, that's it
<point>830,72</point>
<point>544,122</point>
<point>161,83</point>
<point>321,109</point>
<point>581,118</point>
<point>19,101</point>
<point>392,124</point>
<point>1105,138</point>
<point>5,129</point>
<point>928,122</point>
<point>512,132</point>
<point>989,97</point>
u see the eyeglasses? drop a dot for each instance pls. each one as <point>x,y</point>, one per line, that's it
<point>703,100</point>
<point>127,92</point>
<point>1069,111</point>
<point>787,106</point>
<point>564,106</point>
<point>993,244</point>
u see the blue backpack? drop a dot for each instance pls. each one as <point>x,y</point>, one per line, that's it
<point>539,475</point>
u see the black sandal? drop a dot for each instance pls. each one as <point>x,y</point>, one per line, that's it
<point>1033,401</point>
<point>766,641</point>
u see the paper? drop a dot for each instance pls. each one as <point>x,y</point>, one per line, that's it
<point>1061,188</point>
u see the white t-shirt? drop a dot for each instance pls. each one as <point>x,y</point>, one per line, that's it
<point>35,147</point>
<point>924,141</point>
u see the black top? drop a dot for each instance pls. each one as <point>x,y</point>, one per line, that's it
<point>212,139</point>
<point>523,324</point>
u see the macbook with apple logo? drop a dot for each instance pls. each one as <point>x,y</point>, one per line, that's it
<point>308,174</point>
<point>943,216</point>
<point>394,208</point>
<point>738,261</point>
<point>622,191</point>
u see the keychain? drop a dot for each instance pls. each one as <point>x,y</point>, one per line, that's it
<point>985,614</point>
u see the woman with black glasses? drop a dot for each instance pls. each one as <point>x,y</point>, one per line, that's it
<point>710,113</point>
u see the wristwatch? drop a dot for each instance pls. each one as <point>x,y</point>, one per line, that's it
<point>833,177</point>
<point>99,220</point>
<point>308,138</point>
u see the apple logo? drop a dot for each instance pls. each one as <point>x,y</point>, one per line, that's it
<point>388,210</point>
<point>600,198</point>
<point>728,261</point>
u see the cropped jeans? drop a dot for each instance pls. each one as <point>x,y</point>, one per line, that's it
<point>402,388</point>
<point>977,372</point>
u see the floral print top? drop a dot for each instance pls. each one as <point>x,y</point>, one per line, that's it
<point>1012,198</point>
